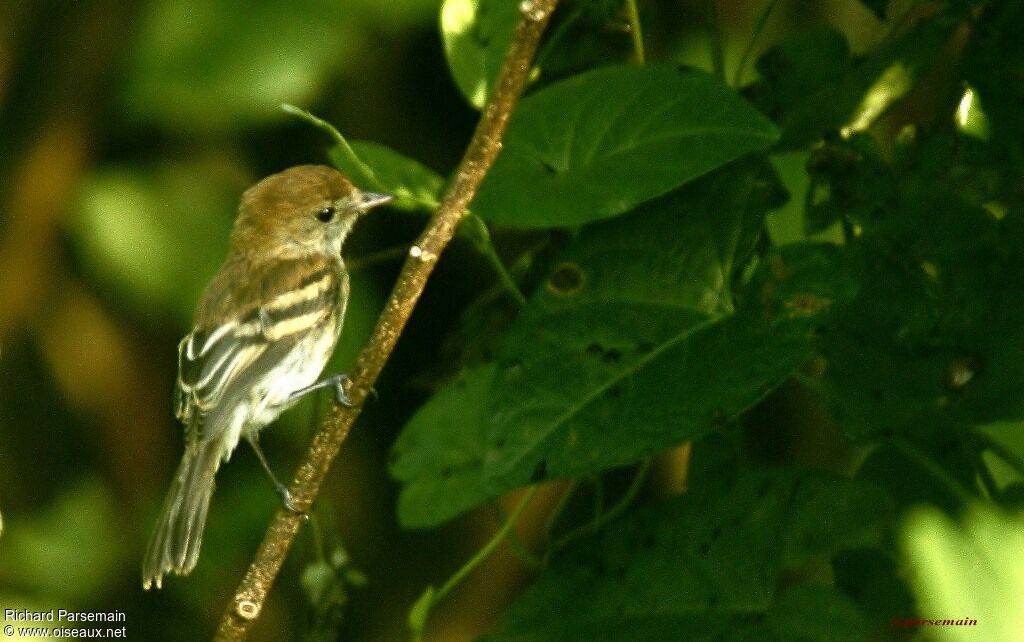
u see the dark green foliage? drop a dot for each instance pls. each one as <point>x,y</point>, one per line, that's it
<point>993,65</point>
<point>584,34</point>
<point>936,332</point>
<point>612,295</point>
<point>671,319</point>
<point>635,342</point>
<point>811,86</point>
<point>710,564</point>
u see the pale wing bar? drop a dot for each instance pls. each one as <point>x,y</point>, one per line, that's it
<point>210,360</point>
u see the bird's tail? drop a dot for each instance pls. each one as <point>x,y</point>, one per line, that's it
<point>174,546</point>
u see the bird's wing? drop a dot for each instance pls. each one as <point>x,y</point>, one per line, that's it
<point>226,354</point>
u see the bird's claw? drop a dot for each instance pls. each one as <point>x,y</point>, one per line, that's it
<point>339,390</point>
<point>287,500</point>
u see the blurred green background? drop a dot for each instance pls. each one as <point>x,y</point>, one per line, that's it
<point>127,132</point>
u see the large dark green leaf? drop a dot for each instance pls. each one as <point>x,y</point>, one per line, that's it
<point>707,566</point>
<point>600,143</point>
<point>647,354</point>
<point>633,344</point>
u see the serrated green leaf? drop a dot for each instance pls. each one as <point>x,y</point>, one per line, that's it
<point>602,142</point>
<point>476,35</point>
<point>709,564</point>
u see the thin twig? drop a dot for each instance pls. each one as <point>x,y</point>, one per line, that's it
<point>606,517</point>
<point>433,597</point>
<point>563,502</point>
<point>373,258</point>
<point>928,463</point>
<point>516,542</point>
<point>635,31</point>
<point>475,229</point>
<point>762,22</point>
<point>988,481</point>
<point>717,47</point>
<point>339,140</point>
<point>251,594</point>
<point>1000,450</point>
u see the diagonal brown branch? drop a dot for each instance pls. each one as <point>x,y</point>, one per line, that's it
<point>251,594</point>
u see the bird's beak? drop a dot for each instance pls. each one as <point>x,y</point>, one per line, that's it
<point>370,200</point>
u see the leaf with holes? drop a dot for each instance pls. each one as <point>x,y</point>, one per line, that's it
<point>710,563</point>
<point>647,352</point>
<point>599,144</point>
<point>632,346</point>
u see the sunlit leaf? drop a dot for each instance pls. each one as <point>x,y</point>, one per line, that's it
<point>372,166</point>
<point>811,84</point>
<point>970,574</point>
<point>476,35</point>
<point>414,186</point>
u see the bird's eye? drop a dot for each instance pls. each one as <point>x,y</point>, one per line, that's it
<point>326,215</point>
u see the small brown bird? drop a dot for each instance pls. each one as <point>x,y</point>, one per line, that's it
<point>264,330</point>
